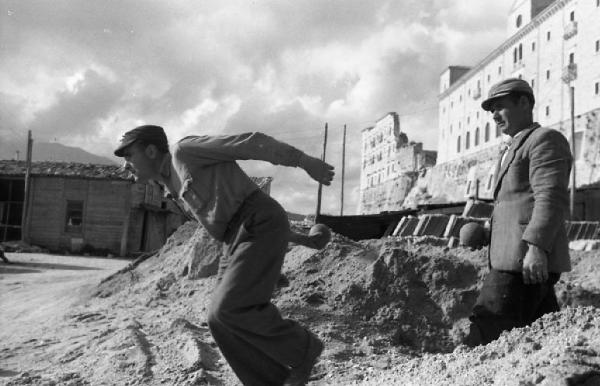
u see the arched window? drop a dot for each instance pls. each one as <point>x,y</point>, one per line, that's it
<point>519,21</point>
<point>458,144</point>
<point>468,140</point>
<point>477,136</point>
<point>487,132</point>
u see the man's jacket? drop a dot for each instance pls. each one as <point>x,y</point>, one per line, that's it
<point>203,172</point>
<point>531,201</point>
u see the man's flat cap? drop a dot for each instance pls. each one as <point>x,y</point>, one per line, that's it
<point>506,87</point>
<point>148,133</point>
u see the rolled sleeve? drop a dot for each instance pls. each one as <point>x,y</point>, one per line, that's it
<point>247,146</point>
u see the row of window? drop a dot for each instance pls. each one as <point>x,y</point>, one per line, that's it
<point>517,57</point>
<point>486,138</point>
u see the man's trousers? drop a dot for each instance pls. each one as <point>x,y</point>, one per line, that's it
<point>506,302</point>
<point>259,345</point>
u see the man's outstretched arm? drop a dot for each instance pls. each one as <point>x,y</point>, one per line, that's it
<point>209,150</point>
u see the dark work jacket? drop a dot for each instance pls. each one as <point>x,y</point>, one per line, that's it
<point>531,201</point>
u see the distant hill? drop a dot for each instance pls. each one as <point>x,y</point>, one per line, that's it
<point>46,151</point>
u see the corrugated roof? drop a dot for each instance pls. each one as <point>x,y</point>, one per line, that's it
<point>64,169</point>
<point>80,170</point>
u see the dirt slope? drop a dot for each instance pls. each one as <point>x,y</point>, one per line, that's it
<point>389,311</point>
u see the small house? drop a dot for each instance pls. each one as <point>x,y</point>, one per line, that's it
<point>84,207</point>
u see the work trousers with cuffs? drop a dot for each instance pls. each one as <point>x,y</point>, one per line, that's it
<point>506,302</point>
<point>259,345</point>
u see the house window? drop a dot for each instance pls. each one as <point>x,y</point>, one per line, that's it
<point>547,111</point>
<point>597,45</point>
<point>532,83</point>
<point>578,144</point>
<point>520,51</point>
<point>571,58</point>
<point>597,87</point>
<point>477,136</point>
<point>532,46</point>
<point>572,16</point>
<point>74,216</point>
<point>487,132</point>
<point>519,21</point>
<point>489,184</point>
<point>547,74</point>
<point>548,36</point>
<point>468,140</point>
<point>515,55</point>
<point>458,144</point>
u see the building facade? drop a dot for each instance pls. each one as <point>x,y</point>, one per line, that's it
<point>553,45</point>
<point>390,165</point>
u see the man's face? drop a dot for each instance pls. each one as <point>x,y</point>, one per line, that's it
<point>139,163</point>
<point>510,117</point>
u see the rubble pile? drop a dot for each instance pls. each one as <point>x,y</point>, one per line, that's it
<point>390,311</point>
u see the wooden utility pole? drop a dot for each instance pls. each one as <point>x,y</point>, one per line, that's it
<point>573,186</point>
<point>319,191</point>
<point>343,172</point>
<point>569,75</point>
<point>25,214</point>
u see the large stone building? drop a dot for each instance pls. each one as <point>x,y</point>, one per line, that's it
<point>551,44</point>
<point>390,165</point>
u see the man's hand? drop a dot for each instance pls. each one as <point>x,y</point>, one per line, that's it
<point>319,171</point>
<point>535,265</point>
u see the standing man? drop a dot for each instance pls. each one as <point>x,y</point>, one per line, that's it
<point>261,347</point>
<point>528,247</point>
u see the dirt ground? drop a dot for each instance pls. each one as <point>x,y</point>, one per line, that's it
<point>391,312</point>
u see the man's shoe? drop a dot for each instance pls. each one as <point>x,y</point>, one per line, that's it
<point>299,375</point>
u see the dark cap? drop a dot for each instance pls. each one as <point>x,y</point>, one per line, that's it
<point>150,134</point>
<point>506,87</point>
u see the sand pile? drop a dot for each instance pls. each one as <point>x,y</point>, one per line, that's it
<point>413,295</point>
<point>390,312</point>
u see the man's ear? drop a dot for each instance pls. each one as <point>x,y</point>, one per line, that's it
<point>524,102</point>
<point>151,151</point>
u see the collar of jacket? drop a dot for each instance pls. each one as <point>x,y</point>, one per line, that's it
<point>517,141</point>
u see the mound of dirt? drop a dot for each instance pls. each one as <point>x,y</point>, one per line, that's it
<point>561,348</point>
<point>390,311</point>
<point>414,296</point>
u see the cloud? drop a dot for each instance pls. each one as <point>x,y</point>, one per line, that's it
<point>83,72</point>
<point>76,113</point>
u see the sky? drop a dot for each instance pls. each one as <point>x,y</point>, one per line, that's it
<point>83,72</point>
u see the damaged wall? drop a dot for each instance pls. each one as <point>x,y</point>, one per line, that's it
<point>389,165</point>
<point>456,180</point>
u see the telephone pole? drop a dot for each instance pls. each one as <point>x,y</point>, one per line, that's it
<point>320,190</point>
<point>569,75</point>
<point>25,213</point>
<point>343,172</point>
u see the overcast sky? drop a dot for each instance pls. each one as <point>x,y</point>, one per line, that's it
<point>82,72</point>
